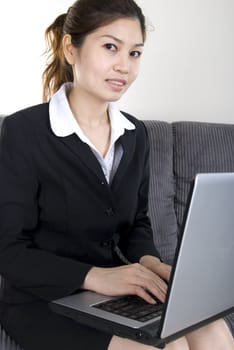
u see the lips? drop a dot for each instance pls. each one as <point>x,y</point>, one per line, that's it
<point>117,82</point>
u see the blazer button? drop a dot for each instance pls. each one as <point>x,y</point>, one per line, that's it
<point>107,243</point>
<point>109,211</point>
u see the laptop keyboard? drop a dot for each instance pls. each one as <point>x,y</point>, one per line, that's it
<point>132,307</point>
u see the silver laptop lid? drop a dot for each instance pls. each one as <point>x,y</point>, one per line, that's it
<point>203,283</point>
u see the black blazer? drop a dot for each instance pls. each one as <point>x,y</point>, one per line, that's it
<point>58,215</point>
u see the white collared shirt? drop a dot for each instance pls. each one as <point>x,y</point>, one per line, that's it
<point>63,124</point>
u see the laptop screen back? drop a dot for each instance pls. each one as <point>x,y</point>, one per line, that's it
<point>202,284</point>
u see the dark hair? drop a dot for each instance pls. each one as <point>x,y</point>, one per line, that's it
<point>82,18</point>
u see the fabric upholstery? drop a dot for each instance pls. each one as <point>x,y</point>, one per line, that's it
<point>162,188</point>
<point>6,343</point>
<point>199,147</point>
<point>1,120</point>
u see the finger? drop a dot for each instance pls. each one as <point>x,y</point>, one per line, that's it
<point>158,290</point>
<point>138,280</point>
<point>157,266</point>
<point>165,271</point>
<point>149,275</point>
<point>142,293</point>
<point>151,282</point>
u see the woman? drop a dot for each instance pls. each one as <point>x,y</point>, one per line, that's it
<point>74,182</point>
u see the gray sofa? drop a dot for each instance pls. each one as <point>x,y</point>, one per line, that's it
<point>178,151</point>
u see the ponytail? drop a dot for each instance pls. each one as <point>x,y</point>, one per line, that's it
<point>57,71</point>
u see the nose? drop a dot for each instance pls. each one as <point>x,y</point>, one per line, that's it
<point>122,64</point>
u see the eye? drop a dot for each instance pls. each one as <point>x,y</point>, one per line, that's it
<point>135,54</point>
<point>111,47</point>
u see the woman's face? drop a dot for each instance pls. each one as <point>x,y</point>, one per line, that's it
<point>108,61</point>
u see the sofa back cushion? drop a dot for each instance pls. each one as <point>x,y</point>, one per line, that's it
<point>199,148</point>
<point>162,189</point>
<point>1,120</point>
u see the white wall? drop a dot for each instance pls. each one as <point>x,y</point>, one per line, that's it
<point>187,69</point>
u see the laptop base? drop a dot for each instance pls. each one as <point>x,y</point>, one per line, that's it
<point>145,336</point>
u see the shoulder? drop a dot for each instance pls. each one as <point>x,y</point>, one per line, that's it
<point>32,115</point>
<point>131,118</point>
<point>24,124</point>
<point>28,120</point>
<point>140,126</point>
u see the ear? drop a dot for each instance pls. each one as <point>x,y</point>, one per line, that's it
<point>70,52</point>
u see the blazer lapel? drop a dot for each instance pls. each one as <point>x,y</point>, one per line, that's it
<point>86,156</point>
<point>83,152</point>
<point>128,141</point>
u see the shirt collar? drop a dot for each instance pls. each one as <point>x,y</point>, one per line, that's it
<point>64,124</point>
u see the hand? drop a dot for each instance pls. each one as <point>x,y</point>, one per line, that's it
<point>134,279</point>
<point>154,264</point>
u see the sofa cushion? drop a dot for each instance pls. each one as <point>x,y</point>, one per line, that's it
<point>162,189</point>
<point>199,148</point>
<point>1,120</point>
<point>6,343</point>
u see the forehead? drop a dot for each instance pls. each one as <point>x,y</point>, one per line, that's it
<point>127,30</point>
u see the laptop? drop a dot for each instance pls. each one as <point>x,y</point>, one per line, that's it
<point>201,286</point>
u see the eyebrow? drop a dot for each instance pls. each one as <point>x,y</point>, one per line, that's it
<point>119,40</point>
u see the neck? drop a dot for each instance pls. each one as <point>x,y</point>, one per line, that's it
<point>88,111</point>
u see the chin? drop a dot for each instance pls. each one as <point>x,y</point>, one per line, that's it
<point>115,97</point>
<point>111,96</point>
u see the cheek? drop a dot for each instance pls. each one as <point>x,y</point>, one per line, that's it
<point>82,73</point>
<point>92,70</point>
<point>135,72</point>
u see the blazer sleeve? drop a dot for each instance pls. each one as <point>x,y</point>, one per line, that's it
<point>37,272</point>
<point>139,240</point>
